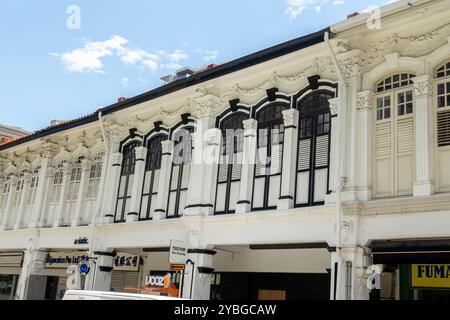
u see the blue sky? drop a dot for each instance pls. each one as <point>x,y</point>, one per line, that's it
<point>121,48</point>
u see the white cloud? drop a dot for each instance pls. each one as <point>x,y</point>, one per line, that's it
<point>90,57</point>
<point>294,8</point>
<point>207,55</point>
<point>177,56</point>
<point>124,82</point>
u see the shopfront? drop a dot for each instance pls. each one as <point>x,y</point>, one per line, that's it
<point>10,268</point>
<point>126,272</point>
<point>413,269</point>
<point>270,286</point>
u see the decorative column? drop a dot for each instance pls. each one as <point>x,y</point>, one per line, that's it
<point>164,180</point>
<point>349,274</point>
<point>33,265</point>
<point>197,203</point>
<point>101,189</point>
<point>99,278</point>
<point>23,203</point>
<point>40,191</point>
<point>364,134</point>
<point>136,191</point>
<point>244,204</point>
<point>7,211</point>
<point>334,150</point>
<point>82,190</point>
<point>196,284</point>
<point>286,200</point>
<point>48,188</point>
<point>112,186</point>
<point>424,185</point>
<point>58,219</point>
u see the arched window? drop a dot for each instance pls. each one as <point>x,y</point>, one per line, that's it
<point>74,181</point>
<point>313,154</point>
<point>181,168</point>
<point>394,138</point>
<point>19,190</point>
<point>126,181</point>
<point>94,176</point>
<point>442,89</point>
<point>229,172</point>
<point>4,194</point>
<point>266,189</point>
<point>55,193</point>
<point>33,186</point>
<point>151,178</point>
<point>93,184</point>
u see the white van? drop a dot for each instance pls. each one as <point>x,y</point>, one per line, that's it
<point>99,295</point>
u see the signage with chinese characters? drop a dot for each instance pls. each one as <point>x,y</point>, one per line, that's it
<point>178,252</point>
<point>430,276</point>
<point>126,262</point>
<point>81,240</point>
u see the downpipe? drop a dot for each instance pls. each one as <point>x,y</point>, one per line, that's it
<point>341,165</point>
<point>100,199</point>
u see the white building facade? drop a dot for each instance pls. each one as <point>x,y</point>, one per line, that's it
<point>340,161</point>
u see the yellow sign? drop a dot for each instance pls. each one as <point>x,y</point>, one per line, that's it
<point>430,276</point>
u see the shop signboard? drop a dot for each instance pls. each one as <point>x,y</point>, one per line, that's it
<point>178,252</point>
<point>11,259</point>
<point>430,276</point>
<point>126,262</point>
<point>62,260</point>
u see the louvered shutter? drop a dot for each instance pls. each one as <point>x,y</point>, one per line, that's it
<point>443,128</point>
<point>383,154</point>
<point>405,156</point>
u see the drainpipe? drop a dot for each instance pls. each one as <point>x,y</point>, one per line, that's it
<point>341,157</point>
<point>100,196</point>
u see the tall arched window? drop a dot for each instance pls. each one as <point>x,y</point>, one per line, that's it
<point>4,195</point>
<point>394,138</point>
<point>181,168</point>
<point>93,185</point>
<point>442,88</point>
<point>313,154</point>
<point>94,176</point>
<point>151,178</point>
<point>266,189</point>
<point>33,186</point>
<point>73,190</point>
<point>229,172</point>
<point>55,193</point>
<point>126,181</point>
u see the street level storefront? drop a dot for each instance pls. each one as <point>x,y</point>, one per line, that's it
<point>414,270</point>
<point>10,268</point>
<point>270,286</point>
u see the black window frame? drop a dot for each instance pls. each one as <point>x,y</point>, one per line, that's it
<point>153,163</point>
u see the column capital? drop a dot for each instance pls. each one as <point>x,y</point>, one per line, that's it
<point>423,85</point>
<point>250,124</point>
<point>290,117</point>
<point>213,136</point>
<point>334,103</point>
<point>116,158</point>
<point>364,100</point>
<point>167,146</point>
<point>141,152</point>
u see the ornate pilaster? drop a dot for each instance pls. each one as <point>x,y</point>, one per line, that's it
<point>286,200</point>
<point>164,180</point>
<point>111,189</point>
<point>248,161</point>
<point>424,185</point>
<point>364,134</point>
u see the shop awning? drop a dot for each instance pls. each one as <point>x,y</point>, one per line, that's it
<point>411,251</point>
